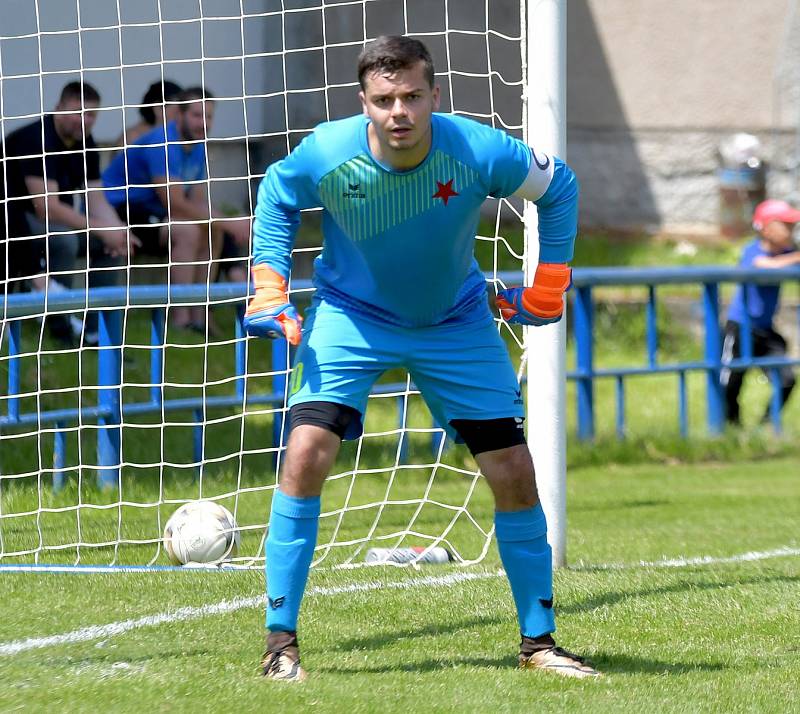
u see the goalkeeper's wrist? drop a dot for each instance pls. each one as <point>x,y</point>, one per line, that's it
<point>269,282</point>
<point>545,297</point>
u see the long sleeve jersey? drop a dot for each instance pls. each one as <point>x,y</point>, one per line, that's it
<point>398,245</point>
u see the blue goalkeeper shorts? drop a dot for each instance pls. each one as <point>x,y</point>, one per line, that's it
<point>463,370</point>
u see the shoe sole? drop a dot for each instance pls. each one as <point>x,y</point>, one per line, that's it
<point>564,671</point>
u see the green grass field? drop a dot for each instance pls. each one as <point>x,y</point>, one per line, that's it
<point>659,593</point>
<point>717,636</point>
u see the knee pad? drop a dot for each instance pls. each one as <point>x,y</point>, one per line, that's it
<point>342,420</point>
<point>490,434</point>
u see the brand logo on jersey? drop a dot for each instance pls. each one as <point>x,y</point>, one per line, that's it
<point>445,191</point>
<point>277,602</point>
<point>354,191</point>
<point>542,165</point>
<point>297,378</point>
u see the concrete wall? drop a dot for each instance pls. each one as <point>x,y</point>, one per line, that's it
<point>652,85</point>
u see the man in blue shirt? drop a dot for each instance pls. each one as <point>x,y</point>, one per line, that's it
<point>397,285</point>
<point>159,185</point>
<point>774,247</point>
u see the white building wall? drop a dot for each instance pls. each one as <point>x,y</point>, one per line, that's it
<point>652,86</point>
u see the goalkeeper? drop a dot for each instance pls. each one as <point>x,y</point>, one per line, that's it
<point>397,286</point>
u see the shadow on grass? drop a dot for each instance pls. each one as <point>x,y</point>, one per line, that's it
<point>606,661</point>
<point>384,639</point>
<point>621,505</point>
<point>610,663</point>
<point>612,598</point>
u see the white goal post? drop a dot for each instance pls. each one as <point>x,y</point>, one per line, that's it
<point>101,442</point>
<point>545,41</point>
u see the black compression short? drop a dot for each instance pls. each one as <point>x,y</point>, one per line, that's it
<point>490,434</point>
<point>338,418</point>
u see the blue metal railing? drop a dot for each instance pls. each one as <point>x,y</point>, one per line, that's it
<point>709,277</point>
<point>110,411</point>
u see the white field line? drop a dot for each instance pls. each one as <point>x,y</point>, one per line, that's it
<point>97,632</point>
<point>700,560</point>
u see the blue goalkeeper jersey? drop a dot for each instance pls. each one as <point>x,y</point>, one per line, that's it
<point>398,245</point>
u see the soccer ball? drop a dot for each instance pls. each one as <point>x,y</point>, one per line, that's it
<point>201,532</point>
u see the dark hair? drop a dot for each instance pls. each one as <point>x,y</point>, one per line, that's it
<point>82,91</point>
<point>157,93</point>
<point>391,53</point>
<point>192,94</point>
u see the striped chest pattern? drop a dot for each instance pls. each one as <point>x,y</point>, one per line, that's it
<point>366,201</point>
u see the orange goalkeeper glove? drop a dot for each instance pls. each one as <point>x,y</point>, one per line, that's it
<point>540,304</point>
<point>270,314</point>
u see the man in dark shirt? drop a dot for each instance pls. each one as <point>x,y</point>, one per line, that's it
<point>57,208</point>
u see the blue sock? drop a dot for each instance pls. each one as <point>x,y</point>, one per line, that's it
<point>293,526</point>
<point>528,561</point>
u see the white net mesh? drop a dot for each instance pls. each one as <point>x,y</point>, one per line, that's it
<point>110,418</point>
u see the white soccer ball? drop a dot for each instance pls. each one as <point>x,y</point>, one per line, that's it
<point>201,532</point>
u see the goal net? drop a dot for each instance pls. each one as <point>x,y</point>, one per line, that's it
<point>119,403</point>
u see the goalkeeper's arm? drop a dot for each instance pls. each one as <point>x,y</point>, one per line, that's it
<point>552,186</point>
<point>287,188</point>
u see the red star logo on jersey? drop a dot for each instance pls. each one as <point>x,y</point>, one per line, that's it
<point>445,191</point>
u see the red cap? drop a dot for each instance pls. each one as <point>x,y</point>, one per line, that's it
<point>773,210</point>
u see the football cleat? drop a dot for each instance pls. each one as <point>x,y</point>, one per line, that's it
<point>558,660</point>
<point>281,661</point>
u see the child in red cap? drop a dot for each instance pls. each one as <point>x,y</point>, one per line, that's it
<point>773,247</point>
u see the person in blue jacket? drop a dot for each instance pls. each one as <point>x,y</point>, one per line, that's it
<point>401,188</point>
<point>159,186</point>
<point>773,247</point>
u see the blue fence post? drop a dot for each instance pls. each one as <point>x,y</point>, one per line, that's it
<point>746,329</point>
<point>109,398</point>
<point>157,322</point>
<point>240,350</point>
<point>652,327</point>
<point>438,438</point>
<point>620,399</point>
<point>401,423</point>
<point>198,439</point>
<point>683,405</point>
<point>584,331</point>
<point>280,366</point>
<point>14,348</point>
<point>713,358</point>
<point>776,399</point>
<point>59,456</point>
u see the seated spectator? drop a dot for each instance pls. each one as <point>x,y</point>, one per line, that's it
<point>56,210</point>
<point>158,108</point>
<point>773,247</point>
<point>159,186</point>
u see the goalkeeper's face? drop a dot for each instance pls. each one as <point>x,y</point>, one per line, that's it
<point>400,105</point>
